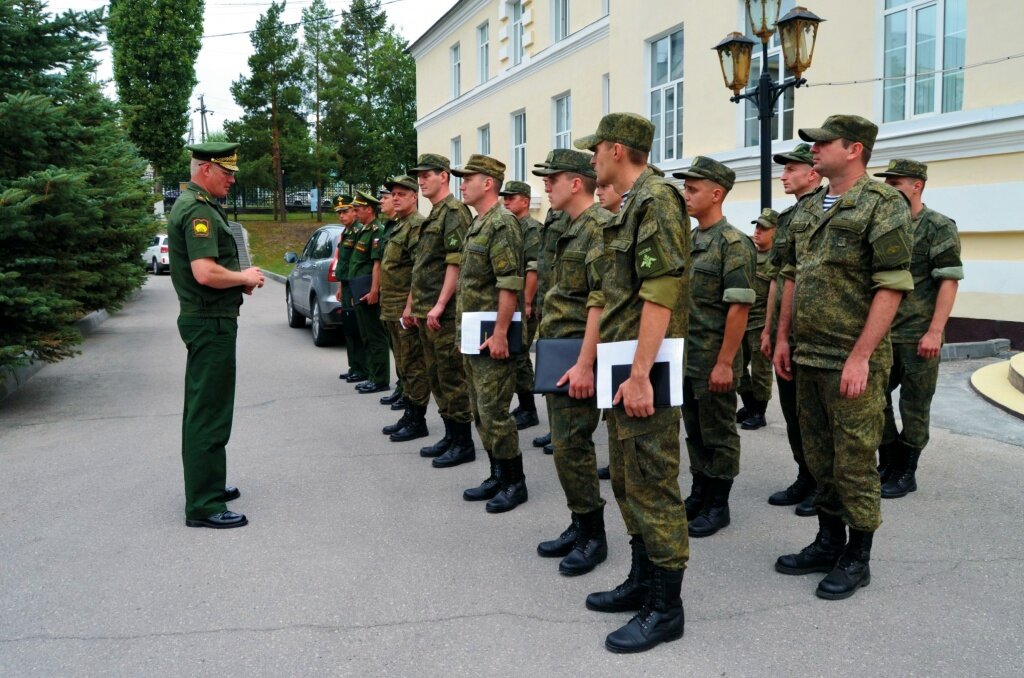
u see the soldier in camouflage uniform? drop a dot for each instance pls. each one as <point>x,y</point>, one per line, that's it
<point>798,178</point>
<point>917,330</point>
<point>646,299</point>
<point>431,309</point>
<point>516,196</point>
<point>365,260</point>
<point>396,281</point>
<point>387,209</point>
<point>756,383</point>
<point>721,273</point>
<point>491,279</point>
<point>354,347</point>
<point>572,309</point>
<point>849,249</point>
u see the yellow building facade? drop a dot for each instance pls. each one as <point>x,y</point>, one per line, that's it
<point>944,79</point>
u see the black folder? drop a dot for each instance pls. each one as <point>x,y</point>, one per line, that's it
<point>554,358</point>
<point>515,335</point>
<point>660,382</point>
<point>359,286</point>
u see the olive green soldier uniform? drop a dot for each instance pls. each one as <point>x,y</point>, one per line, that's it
<point>492,262</point>
<point>395,283</point>
<point>579,266</point>
<point>354,347</point>
<point>440,245</point>
<point>366,251</point>
<point>387,230</point>
<point>648,245</point>
<point>721,273</point>
<point>839,258</point>
<point>756,382</point>
<point>197,228</point>
<point>935,258</point>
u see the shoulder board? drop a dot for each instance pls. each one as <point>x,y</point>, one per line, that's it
<point>200,197</point>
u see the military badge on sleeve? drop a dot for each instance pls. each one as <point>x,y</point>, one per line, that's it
<point>200,228</point>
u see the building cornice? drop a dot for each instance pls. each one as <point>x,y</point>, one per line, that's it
<point>581,39</point>
<point>452,20</point>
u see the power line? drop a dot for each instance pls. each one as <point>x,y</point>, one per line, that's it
<point>293,25</point>
<point>919,75</point>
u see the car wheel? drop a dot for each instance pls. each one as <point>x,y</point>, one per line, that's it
<point>156,267</point>
<point>295,319</point>
<point>321,335</point>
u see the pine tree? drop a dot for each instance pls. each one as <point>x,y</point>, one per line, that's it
<point>317,26</point>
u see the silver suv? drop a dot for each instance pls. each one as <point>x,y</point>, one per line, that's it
<point>311,290</point>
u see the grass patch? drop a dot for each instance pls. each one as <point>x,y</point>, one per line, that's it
<point>269,240</point>
<point>298,215</point>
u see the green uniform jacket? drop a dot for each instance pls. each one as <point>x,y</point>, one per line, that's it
<point>396,266</point>
<point>366,250</point>
<point>936,257</point>
<point>348,245</point>
<point>764,273</point>
<point>197,228</point>
<point>440,244</point>
<point>838,259</point>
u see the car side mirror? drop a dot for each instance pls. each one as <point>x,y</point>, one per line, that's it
<point>290,258</point>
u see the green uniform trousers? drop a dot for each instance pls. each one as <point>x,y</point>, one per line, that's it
<point>711,437</point>
<point>840,438</point>
<point>916,377</point>
<point>757,369</point>
<point>524,366</point>
<point>787,401</point>
<point>491,384</point>
<point>573,423</point>
<point>405,343</point>
<point>645,481</point>
<point>208,410</point>
<point>378,363</point>
<point>445,371</point>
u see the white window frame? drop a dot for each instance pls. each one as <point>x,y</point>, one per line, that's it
<point>559,20</point>
<point>483,139</point>
<point>518,145</point>
<point>605,8</point>
<point>455,182</point>
<point>561,113</point>
<point>483,55</point>
<point>660,149</point>
<point>455,59</point>
<point>515,33</point>
<point>909,81</point>
<point>606,94</point>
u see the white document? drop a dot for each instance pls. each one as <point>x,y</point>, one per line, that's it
<point>470,344</point>
<point>623,352</point>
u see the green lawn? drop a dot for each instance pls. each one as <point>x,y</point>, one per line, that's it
<point>269,240</point>
<point>296,215</point>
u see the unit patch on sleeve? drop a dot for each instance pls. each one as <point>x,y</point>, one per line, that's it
<point>200,228</point>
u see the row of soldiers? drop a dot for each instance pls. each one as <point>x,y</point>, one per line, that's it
<point>813,295</point>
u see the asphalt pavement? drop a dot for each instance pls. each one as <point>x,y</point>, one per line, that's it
<point>362,560</point>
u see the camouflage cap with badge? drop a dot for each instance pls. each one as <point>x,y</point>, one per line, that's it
<point>849,127</point>
<point>905,167</point>
<point>482,164</point>
<point>768,218</point>
<point>628,129</point>
<point>703,167</point>
<point>516,188</point>
<point>566,160</point>
<point>221,153</point>
<point>404,181</point>
<point>801,154</point>
<point>430,161</point>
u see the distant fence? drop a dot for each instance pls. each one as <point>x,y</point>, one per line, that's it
<point>242,198</point>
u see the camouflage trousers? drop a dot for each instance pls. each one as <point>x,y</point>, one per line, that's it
<point>757,369</point>
<point>445,371</point>
<point>524,366</point>
<point>840,438</point>
<point>405,344</point>
<point>375,339</point>
<point>573,423</point>
<point>787,400</point>
<point>916,377</point>
<point>711,437</point>
<point>491,383</point>
<point>645,480</point>
<point>354,343</point>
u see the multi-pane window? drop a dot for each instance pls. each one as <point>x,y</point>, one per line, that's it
<point>924,47</point>
<point>456,160</point>
<point>782,121</point>
<point>666,96</point>
<point>483,43</point>
<point>516,34</point>
<point>563,121</point>
<point>483,140</point>
<point>456,61</point>
<point>606,94</point>
<point>519,146</point>
<point>559,19</point>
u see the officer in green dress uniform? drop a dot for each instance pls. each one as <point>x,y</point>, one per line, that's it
<point>350,326</point>
<point>209,284</point>
<point>366,261</point>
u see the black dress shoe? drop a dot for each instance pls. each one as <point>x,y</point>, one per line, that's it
<point>753,422</point>
<point>231,493</point>
<point>372,387</point>
<point>219,521</point>
<point>549,449</point>
<point>604,473</point>
<point>525,419</point>
<point>354,377</point>
<point>541,441</point>
<point>391,397</point>
<point>399,404</point>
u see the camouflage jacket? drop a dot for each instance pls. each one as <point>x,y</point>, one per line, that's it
<point>531,241</point>
<point>440,244</point>
<point>936,257</point>
<point>780,252</point>
<point>555,224</point>
<point>838,259</point>
<point>764,273</point>
<point>396,266</point>
<point>721,274</point>
<point>578,268</point>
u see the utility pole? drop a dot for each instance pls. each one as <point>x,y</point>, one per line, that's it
<point>191,132</point>
<point>203,110</point>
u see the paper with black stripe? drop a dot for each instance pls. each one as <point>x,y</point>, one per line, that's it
<point>615,362</point>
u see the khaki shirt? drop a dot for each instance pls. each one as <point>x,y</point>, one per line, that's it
<point>396,266</point>
<point>441,240</point>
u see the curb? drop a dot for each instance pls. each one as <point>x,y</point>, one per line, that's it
<point>969,350</point>
<point>274,276</point>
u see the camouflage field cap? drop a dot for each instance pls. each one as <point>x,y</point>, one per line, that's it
<point>363,199</point>
<point>221,153</point>
<point>403,180</point>
<point>802,153</point>
<point>904,167</point>
<point>566,160</point>
<point>342,202</point>
<point>431,161</point>
<point>516,188</point>
<point>482,164</point>
<point>851,127</point>
<point>628,129</point>
<point>768,218</point>
<point>704,167</point>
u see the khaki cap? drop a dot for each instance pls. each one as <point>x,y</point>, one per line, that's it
<point>431,161</point>
<point>566,160</point>
<point>850,127</point>
<point>768,218</point>
<point>802,153</point>
<point>628,129</point>
<point>904,167</point>
<point>482,164</point>
<point>516,188</point>
<point>704,167</point>
<point>403,180</point>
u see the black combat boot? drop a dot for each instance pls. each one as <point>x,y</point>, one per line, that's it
<point>715,514</point>
<point>660,619</point>
<point>747,409</point>
<point>806,508</point>
<point>526,414</point>
<point>795,493</point>
<point>903,481</point>
<point>888,460</point>
<point>541,441</point>
<point>399,404</point>
<point>591,547</point>
<point>630,594</point>
<point>393,397</point>
<point>462,449</point>
<point>560,546</point>
<point>442,445</point>
<point>852,571</point>
<point>513,486</point>
<point>400,424</point>
<point>698,492</point>
<point>489,487</point>
<point>755,418</point>
<point>604,473</point>
<point>822,554</point>
<point>415,428</point>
